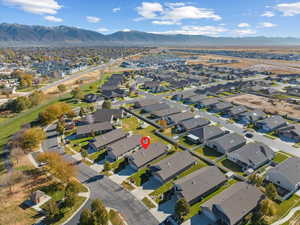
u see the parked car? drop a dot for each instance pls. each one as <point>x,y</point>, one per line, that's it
<point>248,135</point>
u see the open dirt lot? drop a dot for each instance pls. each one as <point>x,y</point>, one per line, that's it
<point>11,212</point>
<point>266,104</point>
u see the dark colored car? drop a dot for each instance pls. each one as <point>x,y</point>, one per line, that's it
<point>249,135</point>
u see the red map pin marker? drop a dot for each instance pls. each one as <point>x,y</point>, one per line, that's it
<point>145,142</point>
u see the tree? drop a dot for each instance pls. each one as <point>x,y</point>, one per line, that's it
<point>31,138</point>
<point>52,209</point>
<point>100,213</point>
<point>37,97</point>
<point>58,166</point>
<point>106,104</point>
<point>267,208</point>
<point>60,127</point>
<point>77,93</point>
<point>271,191</point>
<point>54,112</point>
<point>84,153</point>
<point>107,166</point>
<point>86,218</point>
<point>19,104</point>
<point>256,179</point>
<point>182,208</point>
<point>81,112</point>
<point>163,124</point>
<point>70,199</point>
<point>62,88</point>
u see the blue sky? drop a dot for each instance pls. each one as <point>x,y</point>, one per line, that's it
<point>206,17</point>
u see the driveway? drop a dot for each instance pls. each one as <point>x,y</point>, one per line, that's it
<point>134,212</point>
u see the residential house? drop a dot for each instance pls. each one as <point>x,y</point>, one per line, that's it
<point>175,119</point>
<point>102,141</point>
<point>204,134</point>
<point>252,116</point>
<point>194,99</point>
<point>90,98</point>
<point>227,143</point>
<point>115,93</point>
<point>271,123</point>
<point>235,111</point>
<point>190,124</point>
<point>103,115</point>
<point>199,184</point>
<point>251,156</point>
<point>145,102</point>
<point>165,112</point>
<point>144,157</point>
<point>294,91</point>
<point>155,107</point>
<point>232,205</point>
<point>221,106</point>
<point>170,167</point>
<point>95,128</point>
<point>123,146</point>
<point>286,174</point>
<point>151,85</point>
<point>183,96</point>
<point>290,132</point>
<point>207,103</point>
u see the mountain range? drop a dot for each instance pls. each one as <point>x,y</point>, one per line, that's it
<point>25,35</point>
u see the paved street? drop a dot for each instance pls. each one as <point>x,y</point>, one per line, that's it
<point>134,212</point>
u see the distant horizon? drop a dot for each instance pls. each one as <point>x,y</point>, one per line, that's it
<point>149,32</point>
<point>231,18</point>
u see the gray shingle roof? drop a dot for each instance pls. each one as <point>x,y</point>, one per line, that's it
<point>168,167</point>
<point>254,115</point>
<point>273,122</point>
<point>85,129</point>
<point>237,110</point>
<point>290,169</point>
<point>181,116</point>
<point>155,107</point>
<point>102,115</point>
<point>110,137</point>
<point>229,141</point>
<point>143,157</point>
<point>145,102</point>
<point>200,182</point>
<point>166,112</point>
<point>125,145</point>
<point>236,201</point>
<point>253,154</point>
<point>206,133</point>
<point>209,101</point>
<point>193,123</point>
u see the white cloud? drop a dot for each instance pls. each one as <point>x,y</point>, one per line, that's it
<point>267,24</point>
<point>102,30</point>
<point>116,10</point>
<point>174,12</point>
<point>149,10</point>
<point>242,25</point>
<point>36,6</point>
<point>165,22</point>
<point>289,9</point>
<point>268,14</point>
<point>93,19</point>
<point>126,30</point>
<point>197,30</point>
<point>53,19</point>
<point>244,32</point>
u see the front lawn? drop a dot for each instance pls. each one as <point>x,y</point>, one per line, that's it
<point>132,124</point>
<point>280,157</point>
<point>195,209</point>
<point>208,152</point>
<point>185,143</point>
<point>80,143</point>
<point>168,185</point>
<point>139,177</point>
<point>148,203</point>
<point>231,166</point>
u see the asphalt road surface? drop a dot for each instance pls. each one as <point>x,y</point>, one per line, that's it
<point>134,212</point>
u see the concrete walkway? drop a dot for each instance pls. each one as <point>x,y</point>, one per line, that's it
<point>288,217</point>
